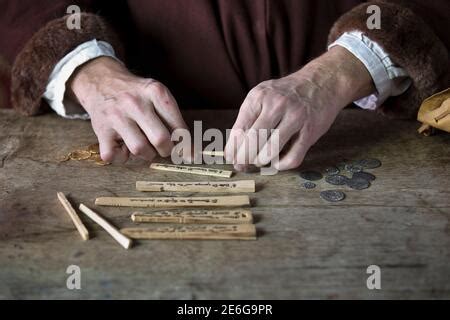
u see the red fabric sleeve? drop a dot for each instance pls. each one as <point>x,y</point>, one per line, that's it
<point>34,37</point>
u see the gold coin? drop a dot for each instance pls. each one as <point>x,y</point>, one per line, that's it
<point>95,157</point>
<point>79,155</point>
<point>102,163</point>
<point>94,148</point>
<point>64,158</point>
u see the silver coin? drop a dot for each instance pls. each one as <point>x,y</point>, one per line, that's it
<point>370,163</point>
<point>309,185</point>
<point>336,180</point>
<point>332,195</point>
<point>358,183</point>
<point>332,171</point>
<point>352,167</point>
<point>364,175</point>
<point>311,175</point>
<point>341,166</point>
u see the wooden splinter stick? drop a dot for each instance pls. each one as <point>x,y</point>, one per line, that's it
<point>192,170</point>
<point>194,232</point>
<point>120,238</point>
<point>74,216</point>
<point>174,202</point>
<point>237,216</point>
<point>214,153</point>
<point>201,186</point>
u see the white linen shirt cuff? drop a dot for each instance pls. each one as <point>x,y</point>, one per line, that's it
<point>56,87</point>
<point>389,79</point>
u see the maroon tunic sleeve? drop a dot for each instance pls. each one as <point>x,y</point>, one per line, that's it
<point>34,37</point>
<point>415,35</point>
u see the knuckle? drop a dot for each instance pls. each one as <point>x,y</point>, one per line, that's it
<point>129,99</point>
<point>139,108</point>
<point>280,99</point>
<point>133,103</point>
<point>275,109</point>
<point>138,149</point>
<point>258,91</point>
<point>295,119</point>
<point>254,109</point>
<point>118,121</point>
<point>297,114</point>
<point>279,104</point>
<point>114,114</point>
<point>161,139</point>
<point>158,88</point>
<point>292,162</point>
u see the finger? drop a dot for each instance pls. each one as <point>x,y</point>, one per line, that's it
<point>135,140</point>
<point>256,136</point>
<point>167,108</point>
<point>247,151</point>
<point>248,113</point>
<point>111,150</point>
<point>287,128</point>
<point>296,153</point>
<point>156,132</point>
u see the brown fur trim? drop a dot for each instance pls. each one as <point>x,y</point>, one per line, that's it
<point>34,64</point>
<point>411,44</point>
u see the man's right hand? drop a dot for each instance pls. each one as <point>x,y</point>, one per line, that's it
<point>128,113</point>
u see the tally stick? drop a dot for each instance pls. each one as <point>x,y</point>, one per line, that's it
<point>174,202</point>
<point>73,215</point>
<point>238,216</point>
<point>214,153</point>
<point>192,170</point>
<point>120,238</point>
<point>194,232</point>
<point>199,186</point>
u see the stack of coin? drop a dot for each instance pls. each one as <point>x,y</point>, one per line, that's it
<point>90,153</point>
<point>348,173</point>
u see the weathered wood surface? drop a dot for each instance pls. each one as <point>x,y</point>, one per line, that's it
<point>307,248</point>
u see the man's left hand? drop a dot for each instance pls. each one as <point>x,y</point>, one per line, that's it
<point>302,106</point>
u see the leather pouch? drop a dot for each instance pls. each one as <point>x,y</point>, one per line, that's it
<point>434,113</point>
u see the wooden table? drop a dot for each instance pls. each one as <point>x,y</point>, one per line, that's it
<point>307,248</point>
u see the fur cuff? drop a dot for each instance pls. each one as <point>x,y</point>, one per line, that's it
<point>34,64</point>
<point>411,44</point>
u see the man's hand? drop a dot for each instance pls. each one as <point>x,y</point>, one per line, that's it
<point>302,106</point>
<point>128,113</point>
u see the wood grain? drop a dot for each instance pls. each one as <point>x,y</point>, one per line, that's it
<point>306,248</point>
